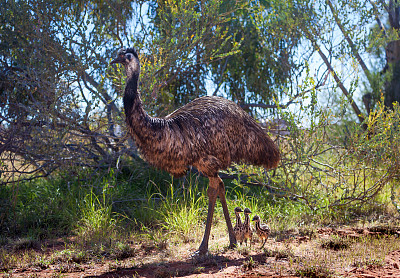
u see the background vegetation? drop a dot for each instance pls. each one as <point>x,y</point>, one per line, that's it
<point>322,75</point>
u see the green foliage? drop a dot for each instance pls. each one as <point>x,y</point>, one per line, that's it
<point>330,169</point>
<point>379,144</point>
<point>268,36</point>
<point>38,209</point>
<point>378,147</point>
<point>187,37</point>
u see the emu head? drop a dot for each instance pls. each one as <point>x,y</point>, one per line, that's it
<point>256,218</point>
<point>127,56</point>
<point>238,209</point>
<point>247,211</point>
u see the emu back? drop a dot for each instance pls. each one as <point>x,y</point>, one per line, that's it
<point>208,126</point>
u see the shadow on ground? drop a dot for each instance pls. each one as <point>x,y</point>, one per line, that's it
<point>208,265</point>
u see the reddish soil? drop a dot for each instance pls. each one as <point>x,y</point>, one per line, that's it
<point>390,268</point>
<point>250,262</point>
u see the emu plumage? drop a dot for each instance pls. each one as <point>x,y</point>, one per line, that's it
<point>208,133</point>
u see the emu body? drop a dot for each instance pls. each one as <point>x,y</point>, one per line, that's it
<point>247,232</point>
<point>262,230</point>
<point>208,133</point>
<point>238,229</point>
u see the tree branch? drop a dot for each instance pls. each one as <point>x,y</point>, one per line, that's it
<point>360,116</point>
<point>284,106</point>
<point>222,75</point>
<point>106,97</point>
<point>349,41</point>
<point>378,20</point>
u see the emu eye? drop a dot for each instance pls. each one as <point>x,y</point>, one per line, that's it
<point>129,56</point>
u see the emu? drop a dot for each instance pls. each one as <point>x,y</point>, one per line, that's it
<point>208,133</point>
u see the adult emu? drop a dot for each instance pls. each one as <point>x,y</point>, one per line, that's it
<point>208,133</point>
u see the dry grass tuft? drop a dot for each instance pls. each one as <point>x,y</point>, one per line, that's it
<point>25,244</point>
<point>280,253</point>
<point>336,243</point>
<point>314,272</point>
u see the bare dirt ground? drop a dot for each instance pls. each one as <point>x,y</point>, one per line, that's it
<point>325,252</point>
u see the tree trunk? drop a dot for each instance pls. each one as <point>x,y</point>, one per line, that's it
<point>392,86</point>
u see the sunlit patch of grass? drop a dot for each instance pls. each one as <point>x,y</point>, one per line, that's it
<point>157,236</point>
<point>10,259</point>
<point>243,249</point>
<point>349,252</point>
<point>122,250</point>
<point>7,260</point>
<point>367,263</point>
<point>69,267</point>
<point>97,226</point>
<point>70,256</point>
<point>308,231</point>
<point>181,210</point>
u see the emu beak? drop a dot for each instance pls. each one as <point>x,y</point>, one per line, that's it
<point>117,60</point>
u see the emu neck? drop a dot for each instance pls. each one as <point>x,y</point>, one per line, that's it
<point>137,119</point>
<point>131,97</point>
<point>246,220</point>
<point>132,74</point>
<point>258,225</point>
<point>238,220</point>
<point>132,78</point>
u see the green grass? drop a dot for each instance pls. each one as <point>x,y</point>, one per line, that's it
<point>181,210</point>
<point>97,226</point>
<point>314,272</point>
<point>122,215</point>
<point>101,207</point>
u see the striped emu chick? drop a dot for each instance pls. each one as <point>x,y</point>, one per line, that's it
<point>247,231</point>
<point>208,133</point>
<point>262,230</point>
<point>238,229</point>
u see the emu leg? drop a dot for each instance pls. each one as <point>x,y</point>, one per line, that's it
<point>263,244</point>
<point>212,193</point>
<point>221,195</point>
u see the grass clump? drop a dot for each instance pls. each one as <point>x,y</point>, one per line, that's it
<point>314,272</point>
<point>7,260</point>
<point>336,243</point>
<point>97,226</point>
<point>281,253</point>
<point>25,243</point>
<point>70,256</point>
<point>249,264</point>
<point>368,263</point>
<point>180,211</point>
<point>122,251</point>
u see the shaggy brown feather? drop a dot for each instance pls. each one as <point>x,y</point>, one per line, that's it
<point>208,133</point>
<point>207,125</point>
